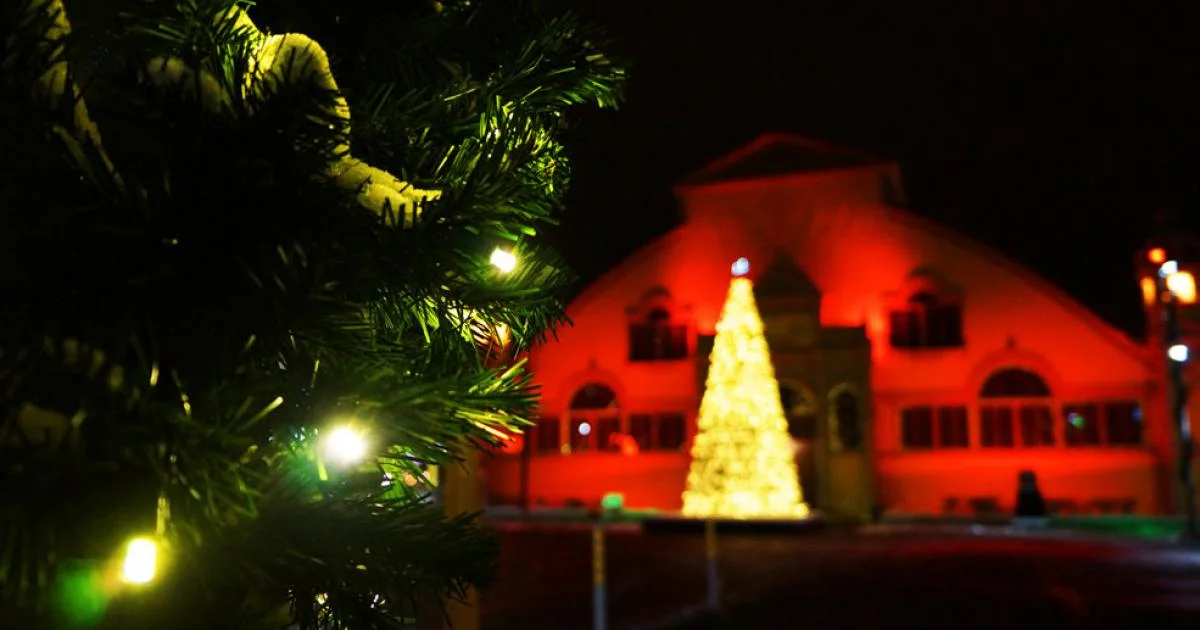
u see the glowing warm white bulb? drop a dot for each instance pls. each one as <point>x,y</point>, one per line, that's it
<point>1182,285</point>
<point>503,260</point>
<point>141,559</point>
<point>1178,353</point>
<point>345,445</point>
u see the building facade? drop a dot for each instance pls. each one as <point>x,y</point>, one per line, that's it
<point>920,371</point>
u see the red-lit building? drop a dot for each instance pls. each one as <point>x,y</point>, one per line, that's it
<point>920,370</point>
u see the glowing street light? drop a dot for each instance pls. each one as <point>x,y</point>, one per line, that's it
<point>1182,285</point>
<point>1178,353</point>
<point>503,260</point>
<point>141,561</point>
<point>345,446</point>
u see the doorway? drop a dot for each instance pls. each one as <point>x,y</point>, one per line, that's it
<point>800,409</point>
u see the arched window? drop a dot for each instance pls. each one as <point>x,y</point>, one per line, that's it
<point>927,320</point>
<point>594,396</point>
<point>846,419</point>
<point>800,410</point>
<point>1014,383</point>
<point>595,419</point>
<point>1014,397</point>
<point>655,332</point>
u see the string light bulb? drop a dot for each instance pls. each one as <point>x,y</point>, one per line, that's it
<point>503,260</point>
<point>141,561</point>
<point>345,446</point>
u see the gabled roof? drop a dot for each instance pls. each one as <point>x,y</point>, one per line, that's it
<point>783,279</point>
<point>779,154</point>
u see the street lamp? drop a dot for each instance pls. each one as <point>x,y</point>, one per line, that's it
<point>1182,285</point>
<point>1174,287</point>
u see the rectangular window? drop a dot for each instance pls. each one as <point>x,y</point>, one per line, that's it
<point>943,324</point>
<point>927,324</point>
<point>607,430</point>
<point>1037,426</point>
<point>916,428</point>
<point>672,431</point>
<point>953,429</point>
<point>1123,421</point>
<point>1081,424</point>
<point>657,342</point>
<point>996,427</point>
<point>641,427</point>
<point>906,329</point>
<point>548,435</point>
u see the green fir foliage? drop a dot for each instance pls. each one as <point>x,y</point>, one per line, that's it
<point>189,299</point>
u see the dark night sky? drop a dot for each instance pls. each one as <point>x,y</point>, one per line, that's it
<point>1053,135</point>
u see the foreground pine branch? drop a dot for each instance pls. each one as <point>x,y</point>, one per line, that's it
<point>246,288</point>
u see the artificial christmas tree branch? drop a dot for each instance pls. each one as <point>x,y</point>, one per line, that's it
<point>213,265</point>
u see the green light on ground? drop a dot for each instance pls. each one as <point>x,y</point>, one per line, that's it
<point>612,502</point>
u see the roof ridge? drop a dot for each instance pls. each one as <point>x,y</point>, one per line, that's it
<point>779,153</point>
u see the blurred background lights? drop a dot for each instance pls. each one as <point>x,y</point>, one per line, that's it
<point>1178,353</point>
<point>1182,285</point>
<point>503,260</point>
<point>741,267</point>
<point>1169,267</point>
<point>345,446</point>
<point>585,428</point>
<point>141,559</point>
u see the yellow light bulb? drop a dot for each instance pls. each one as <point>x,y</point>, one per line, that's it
<point>503,260</point>
<point>141,561</point>
<point>345,446</point>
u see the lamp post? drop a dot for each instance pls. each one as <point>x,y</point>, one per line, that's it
<point>1170,283</point>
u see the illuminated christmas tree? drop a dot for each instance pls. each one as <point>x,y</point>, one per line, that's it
<point>742,458</point>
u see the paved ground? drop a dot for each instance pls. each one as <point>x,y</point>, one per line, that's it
<point>781,581</point>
